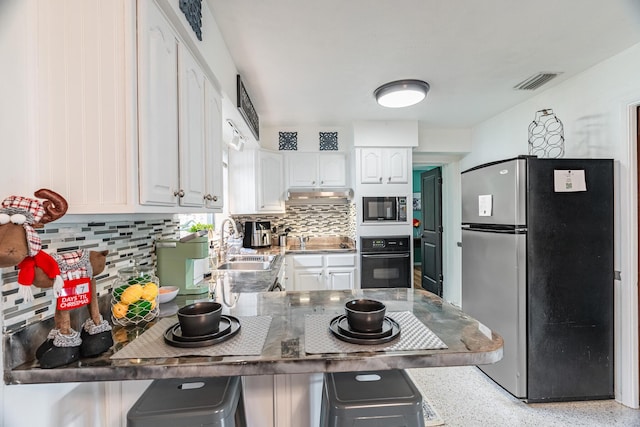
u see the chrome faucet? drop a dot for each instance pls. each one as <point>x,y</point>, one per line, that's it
<point>222,245</point>
<point>303,241</point>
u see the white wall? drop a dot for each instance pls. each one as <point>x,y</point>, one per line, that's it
<point>590,105</point>
<point>443,140</point>
<point>595,110</point>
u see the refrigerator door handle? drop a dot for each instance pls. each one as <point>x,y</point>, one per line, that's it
<point>497,230</point>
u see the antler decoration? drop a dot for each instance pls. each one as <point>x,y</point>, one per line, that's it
<point>55,206</point>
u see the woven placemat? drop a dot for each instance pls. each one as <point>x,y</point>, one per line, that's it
<point>414,335</point>
<point>248,342</point>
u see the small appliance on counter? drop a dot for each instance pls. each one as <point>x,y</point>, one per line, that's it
<point>257,234</point>
<point>184,262</point>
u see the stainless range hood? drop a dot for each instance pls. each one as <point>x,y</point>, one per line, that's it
<point>323,195</point>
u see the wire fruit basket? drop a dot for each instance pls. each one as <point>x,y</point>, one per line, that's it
<point>134,298</point>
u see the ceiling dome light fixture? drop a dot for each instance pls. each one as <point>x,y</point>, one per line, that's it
<point>401,93</point>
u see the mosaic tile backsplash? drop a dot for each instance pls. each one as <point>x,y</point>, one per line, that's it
<point>317,219</point>
<point>124,240</point>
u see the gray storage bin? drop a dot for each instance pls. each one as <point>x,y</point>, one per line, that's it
<point>371,399</point>
<point>189,403</point>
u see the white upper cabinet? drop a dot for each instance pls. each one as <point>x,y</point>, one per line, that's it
<point>332,170</point>
<point>256,182</point>
<point>384,165</point>
<point>191,140</point>
<point>124,117</point>
<point>213,148</point>
<point>157,107</point>
<point>180,116</point>
<point>311,170</point>
<point>303,169</point>
<point>270,196</point>
<point>78,87</point>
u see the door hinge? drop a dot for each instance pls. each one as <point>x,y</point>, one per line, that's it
<point>439,180</point>
<point>617,275</point>
<point>440,229</point>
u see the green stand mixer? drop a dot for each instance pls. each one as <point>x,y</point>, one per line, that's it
<point>184,263</point>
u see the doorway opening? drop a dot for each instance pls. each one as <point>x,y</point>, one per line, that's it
<point>427,228</point>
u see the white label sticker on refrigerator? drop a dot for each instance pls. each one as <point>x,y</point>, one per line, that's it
<point>567,181</point>
<point>485,205</point>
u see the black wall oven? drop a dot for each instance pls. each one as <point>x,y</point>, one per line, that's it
<point>385,262</point>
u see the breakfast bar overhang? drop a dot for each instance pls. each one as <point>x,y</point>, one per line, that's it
<point>284,350</point>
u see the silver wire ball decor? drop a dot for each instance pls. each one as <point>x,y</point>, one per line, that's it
<point>546,135</point>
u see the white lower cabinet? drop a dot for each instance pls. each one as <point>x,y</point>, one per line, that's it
<point>340,278</point>
<point>318,272</point>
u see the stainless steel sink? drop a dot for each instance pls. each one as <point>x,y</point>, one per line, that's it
<point>248,263</point>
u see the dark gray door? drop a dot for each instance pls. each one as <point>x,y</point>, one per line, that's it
<point>431,194</point>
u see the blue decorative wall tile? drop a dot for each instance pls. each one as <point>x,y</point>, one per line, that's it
<point>328,141</point>
<point>288,141</point>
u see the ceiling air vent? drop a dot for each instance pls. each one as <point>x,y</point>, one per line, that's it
<point>534,82</point>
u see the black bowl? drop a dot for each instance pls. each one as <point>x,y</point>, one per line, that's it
<point>365,315</point>
<point>200,318</point>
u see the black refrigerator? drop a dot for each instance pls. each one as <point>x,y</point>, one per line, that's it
<point>538,268</point>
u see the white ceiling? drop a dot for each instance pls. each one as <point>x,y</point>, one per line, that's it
<point>319,61</point>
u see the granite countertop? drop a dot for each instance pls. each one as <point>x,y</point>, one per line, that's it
<point>284,348</point>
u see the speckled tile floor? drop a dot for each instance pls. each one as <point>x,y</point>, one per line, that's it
<point>466,397</point>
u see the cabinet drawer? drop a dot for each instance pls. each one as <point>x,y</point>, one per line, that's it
<point>341,260</point>
<point>306,261</point>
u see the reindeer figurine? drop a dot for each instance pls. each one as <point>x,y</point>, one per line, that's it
<point>69,273</point>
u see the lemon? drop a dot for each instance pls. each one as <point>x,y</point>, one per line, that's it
<point>119,310</point>
<point>117,292</point>
<point>132,294</point>
<point>150,291</point>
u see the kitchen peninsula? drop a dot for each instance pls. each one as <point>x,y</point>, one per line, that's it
<point>284,350</point>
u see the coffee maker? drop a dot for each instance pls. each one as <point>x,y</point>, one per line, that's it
<point>257,234</point>
<point>184,263</point>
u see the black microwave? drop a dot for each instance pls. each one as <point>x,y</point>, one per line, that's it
<point>379,209</point>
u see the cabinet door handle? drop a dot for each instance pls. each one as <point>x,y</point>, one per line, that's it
<point>215,198</point>
<point>380,179</point>
<point>313,182</point>
<point>208,197</point>
<point>179,193</point>
<point>389,180</point>
<point>321,182</point>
